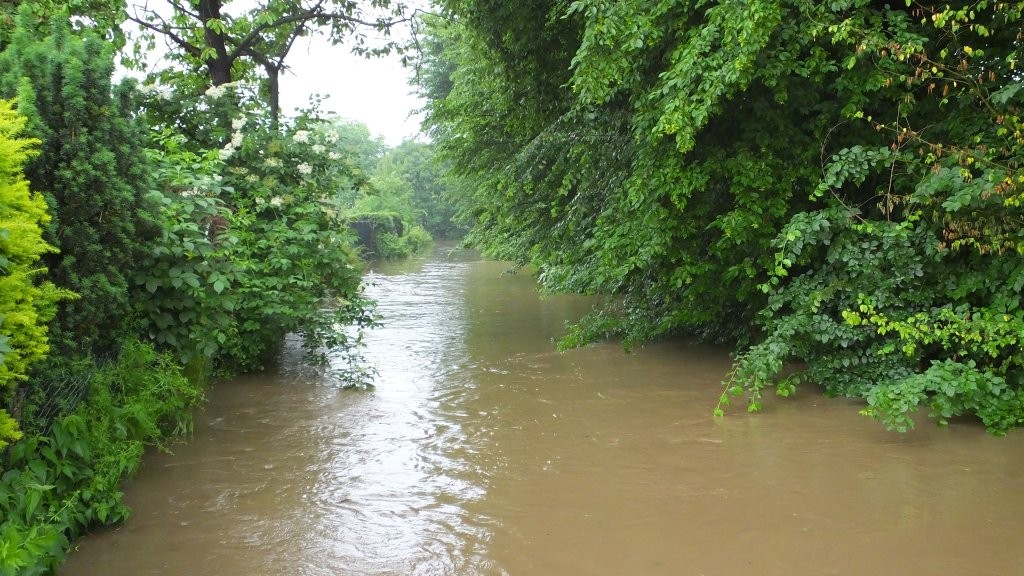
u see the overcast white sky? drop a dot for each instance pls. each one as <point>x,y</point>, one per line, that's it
<point>373,91</point>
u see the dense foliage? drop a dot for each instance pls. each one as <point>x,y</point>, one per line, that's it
<point>416,164</point>
<point>834,183</point>
<point>26,305</point>
<point>59,482</point>
<point>382,198</point>
<point>102,16</point>
<point>92,172</point>
<point>250,43</point>
<point>154,232</point>
<point>296,253</point>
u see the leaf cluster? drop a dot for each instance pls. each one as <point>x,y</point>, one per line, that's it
<point>58,483</point>
<point>92,172</point>
<point>836,184</point>
<point>26,304</point>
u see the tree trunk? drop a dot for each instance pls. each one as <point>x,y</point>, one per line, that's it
<point>219,66</point>
<point>274,94</point>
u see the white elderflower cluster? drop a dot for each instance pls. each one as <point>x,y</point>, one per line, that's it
<point>217,92</point>
<point>150,89</point>
<point>301,136</point>
<point>272,162</point>
<point>236,138</point>
<point>304,169</point>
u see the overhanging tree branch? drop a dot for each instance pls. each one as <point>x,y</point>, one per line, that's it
<point>230,48</point>
<point>166,31</point>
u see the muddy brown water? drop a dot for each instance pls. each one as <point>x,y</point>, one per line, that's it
<point>482,451</point>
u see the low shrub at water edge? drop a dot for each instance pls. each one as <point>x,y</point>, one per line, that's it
<point>61,481</point>
<point>418,239</point>
<point>394,247</point>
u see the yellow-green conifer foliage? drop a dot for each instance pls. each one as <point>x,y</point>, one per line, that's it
<point>25,305</point>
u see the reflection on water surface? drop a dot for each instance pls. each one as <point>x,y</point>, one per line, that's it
<point>484,451</point>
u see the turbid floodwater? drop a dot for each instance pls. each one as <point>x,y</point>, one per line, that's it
<point>483,451</point>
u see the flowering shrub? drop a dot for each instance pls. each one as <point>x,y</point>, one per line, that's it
<point>301,273</point>
<point>184,295</point>
<point>254,244</point>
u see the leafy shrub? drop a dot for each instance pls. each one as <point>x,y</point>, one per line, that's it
<point>889,311</point>
<point>391,246</point>
<point>254,243</point>
<point>183,291</point>
<point>837,183</point>
<point>25,304</point>
<point>388,236</point>
<point>417,239</point>
<point>298,268</point>
<point>92,171</point>
<point>57,484</point>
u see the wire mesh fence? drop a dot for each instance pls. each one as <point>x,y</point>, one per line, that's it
<point>55,392</point>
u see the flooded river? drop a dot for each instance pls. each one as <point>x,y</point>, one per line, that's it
<point>482,451</point>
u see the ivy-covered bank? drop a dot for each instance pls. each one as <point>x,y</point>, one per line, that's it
<point>835,185</point>
<point>159,231</point>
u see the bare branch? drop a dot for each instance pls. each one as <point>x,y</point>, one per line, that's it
<point>164,30</point>
<point>181,8</point>
<point>312,14</point>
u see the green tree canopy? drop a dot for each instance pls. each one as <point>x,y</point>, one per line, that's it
<point>426,176</point>
<point>99,15</point>
<point>837,183</point>
<point>231,41</point>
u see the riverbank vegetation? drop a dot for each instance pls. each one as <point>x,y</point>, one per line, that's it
<point>159,230</point>
<point>833,185</point>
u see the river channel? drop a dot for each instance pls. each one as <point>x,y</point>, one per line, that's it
<point>483,451</point>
